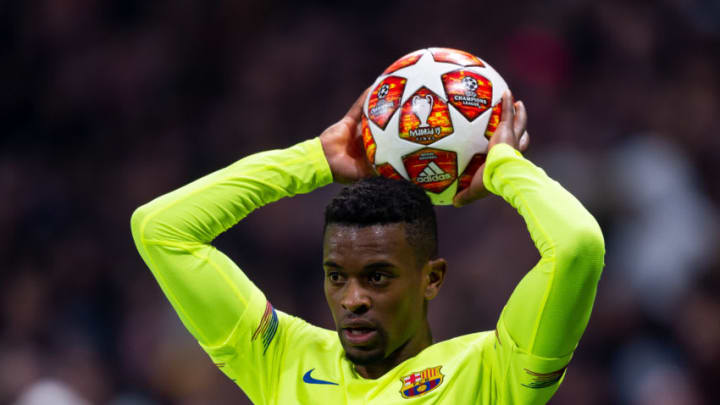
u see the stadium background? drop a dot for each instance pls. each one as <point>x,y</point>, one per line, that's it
<point>107,104</point>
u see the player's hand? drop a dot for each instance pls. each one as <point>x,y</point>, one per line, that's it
<point>510,130</point>
<point>342,144</point>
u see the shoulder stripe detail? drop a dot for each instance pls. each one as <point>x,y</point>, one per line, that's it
<point>267,328</point>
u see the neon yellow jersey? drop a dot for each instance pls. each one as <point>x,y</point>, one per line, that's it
<point>280,359</point>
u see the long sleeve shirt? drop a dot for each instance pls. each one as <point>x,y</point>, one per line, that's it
<point>277,358</point>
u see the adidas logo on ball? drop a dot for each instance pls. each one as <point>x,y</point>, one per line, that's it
<point>432,173</point>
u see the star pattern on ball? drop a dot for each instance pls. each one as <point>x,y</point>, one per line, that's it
<point>424,73</point>
<point>474,138</point>
<point>390,147</point>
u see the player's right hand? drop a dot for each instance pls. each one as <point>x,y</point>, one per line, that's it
<point>342,144</point>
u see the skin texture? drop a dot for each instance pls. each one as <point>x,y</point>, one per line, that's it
<point>373,281</point>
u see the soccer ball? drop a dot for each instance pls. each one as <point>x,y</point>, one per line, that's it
<point>428,118</point>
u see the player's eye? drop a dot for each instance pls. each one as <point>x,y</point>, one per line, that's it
<point>334,277</point>
<point>378,278</point>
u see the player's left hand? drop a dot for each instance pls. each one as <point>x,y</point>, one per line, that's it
<point>511,131</point>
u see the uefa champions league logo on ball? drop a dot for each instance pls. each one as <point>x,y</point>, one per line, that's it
<point>383,105</point>
<point>468,95</point>
<point>471,86</point>
<point>383,91</point>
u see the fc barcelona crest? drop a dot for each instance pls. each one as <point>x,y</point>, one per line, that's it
<point>421,382</point>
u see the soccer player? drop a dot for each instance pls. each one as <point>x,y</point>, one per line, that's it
<point>381,270</point>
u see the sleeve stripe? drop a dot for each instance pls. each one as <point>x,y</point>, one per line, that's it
<point>543,380</point>
<point>267,328</point>
<point>263,322</point>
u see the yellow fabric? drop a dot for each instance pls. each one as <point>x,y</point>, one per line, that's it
<point>280,359</point>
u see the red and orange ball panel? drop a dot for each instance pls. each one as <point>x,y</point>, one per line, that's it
<point>424,118</point>
<point>432,169</point>
<point>456,56</point>
<point>469,92</point>
<point>385,100</point>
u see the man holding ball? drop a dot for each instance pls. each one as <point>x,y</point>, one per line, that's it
<point>381,269</point>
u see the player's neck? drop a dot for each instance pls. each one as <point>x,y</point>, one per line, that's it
<point>412,347</point>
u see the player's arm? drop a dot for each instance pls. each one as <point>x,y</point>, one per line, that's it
<point>216,301</point>
<point>550,308</point>
<point>173,234</point>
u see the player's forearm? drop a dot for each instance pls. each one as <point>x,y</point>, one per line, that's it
<point>210,205</point>
<point>173,232</point>
<point>551,306</point>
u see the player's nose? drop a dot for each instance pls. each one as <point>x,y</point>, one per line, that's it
<point>355,298</point>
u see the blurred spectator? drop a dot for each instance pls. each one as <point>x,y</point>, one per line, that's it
<point>665,226</point>
<point>648,373</point>
<point>50,392</point>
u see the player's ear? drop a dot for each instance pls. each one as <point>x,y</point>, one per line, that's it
<point>435,277</point>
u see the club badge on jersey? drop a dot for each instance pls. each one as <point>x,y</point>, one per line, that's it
<point>421,382</point>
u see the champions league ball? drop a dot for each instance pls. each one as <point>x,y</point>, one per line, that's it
<point>428,119</point>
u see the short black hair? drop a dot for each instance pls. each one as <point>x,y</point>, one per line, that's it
<point>380,201</point>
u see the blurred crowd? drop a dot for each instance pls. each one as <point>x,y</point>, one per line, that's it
<point>107,104</point>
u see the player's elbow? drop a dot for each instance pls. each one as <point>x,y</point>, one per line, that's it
<point>141,224</point>
<point>154,222</point>
<point>589,240</point>
<point>136,221</point>
<point>584,247</point>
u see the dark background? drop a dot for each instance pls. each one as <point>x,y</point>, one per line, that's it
<point>106,104</point>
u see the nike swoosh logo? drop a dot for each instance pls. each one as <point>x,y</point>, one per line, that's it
<point>308,379</point>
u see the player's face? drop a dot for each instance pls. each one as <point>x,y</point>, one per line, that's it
<point>376,290</point>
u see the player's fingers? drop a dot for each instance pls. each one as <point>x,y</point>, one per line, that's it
<point>358,131</point>
<point>524,141</point>
<point>468,196</point>
<point>363,167</point>
<point>460,198</point>
<point>520,121</point>
<point>504,131</point>
<point>463,198</point>
<point>475,191</point>
<point>357,140</point>
<point>507,116</point>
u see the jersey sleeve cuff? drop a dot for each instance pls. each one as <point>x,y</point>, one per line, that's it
<point>316,157</point>
<point>498,155</point>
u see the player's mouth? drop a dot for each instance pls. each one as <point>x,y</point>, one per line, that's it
<point>358,336</point>
<point>358,331</point>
